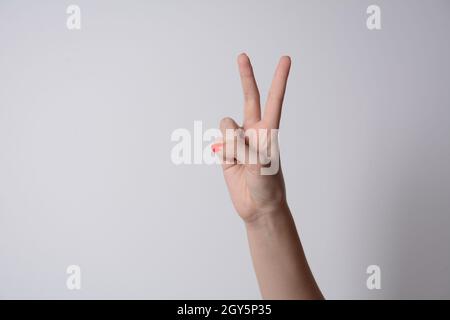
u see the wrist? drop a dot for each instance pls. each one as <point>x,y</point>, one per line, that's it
<point>269,217</point>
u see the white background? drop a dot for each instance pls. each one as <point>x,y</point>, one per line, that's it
<point>86,117</point>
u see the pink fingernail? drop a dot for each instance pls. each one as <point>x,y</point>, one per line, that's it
<point>216,147</point>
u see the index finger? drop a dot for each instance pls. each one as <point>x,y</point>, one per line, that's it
<point>252,109</point>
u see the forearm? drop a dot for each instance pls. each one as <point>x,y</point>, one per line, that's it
<point>278,258</point>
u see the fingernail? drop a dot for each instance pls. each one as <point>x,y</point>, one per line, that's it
<point>216,147</point>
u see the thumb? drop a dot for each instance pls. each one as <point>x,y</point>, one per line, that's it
<point>224,147</point>
<point>232,147</point>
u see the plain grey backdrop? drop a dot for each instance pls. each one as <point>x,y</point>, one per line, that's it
<point>86,116</point>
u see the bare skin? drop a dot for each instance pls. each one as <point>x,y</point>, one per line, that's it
<point>260,200</point>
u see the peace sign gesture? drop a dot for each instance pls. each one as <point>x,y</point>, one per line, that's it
<point>253,192</point>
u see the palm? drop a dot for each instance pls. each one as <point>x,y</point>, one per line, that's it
<point>251,192</point>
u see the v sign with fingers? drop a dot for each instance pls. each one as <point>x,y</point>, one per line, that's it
<point>250,162</point>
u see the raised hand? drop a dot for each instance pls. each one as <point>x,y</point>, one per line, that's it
<point>258,193</point>
<point>256,188</point>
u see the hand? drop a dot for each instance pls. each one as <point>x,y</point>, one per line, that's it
<point>260,199</point>
<point>253,194</point>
